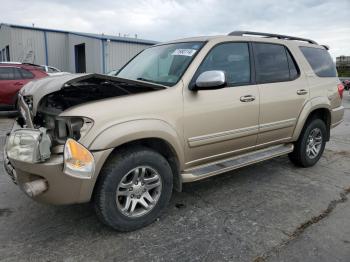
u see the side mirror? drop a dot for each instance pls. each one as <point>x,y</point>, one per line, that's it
<point>207,80</point>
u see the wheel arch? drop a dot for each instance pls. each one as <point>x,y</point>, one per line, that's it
<point>310,111</point>
<point>154,134</point>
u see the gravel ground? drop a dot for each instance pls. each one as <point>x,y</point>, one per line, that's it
<point>270,211</point>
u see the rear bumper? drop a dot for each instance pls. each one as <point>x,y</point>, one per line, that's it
<point>62,189</point>
<point>337,115</point>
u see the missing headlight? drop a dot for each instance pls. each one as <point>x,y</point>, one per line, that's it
<point>71,127</point>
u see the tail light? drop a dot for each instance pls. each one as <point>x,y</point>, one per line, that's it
<point>341,90</point>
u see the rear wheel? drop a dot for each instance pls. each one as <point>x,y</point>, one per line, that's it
<point>310,145</point>
<point>134,188</point>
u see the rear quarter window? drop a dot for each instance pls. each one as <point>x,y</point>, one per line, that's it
<point>320,61</point>
<point>26,74</point>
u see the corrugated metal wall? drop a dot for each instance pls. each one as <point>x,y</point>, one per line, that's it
<point>25,40</point>
<point>118,54</point>
<point>57,49</point>
<point>93,53</point>
<point>5,39</point>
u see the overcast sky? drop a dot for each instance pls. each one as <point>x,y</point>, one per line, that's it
<point>327,22</point>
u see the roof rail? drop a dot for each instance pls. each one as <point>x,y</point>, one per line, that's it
<point>285,37</point>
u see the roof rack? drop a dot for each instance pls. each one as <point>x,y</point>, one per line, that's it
<point>285,37</point>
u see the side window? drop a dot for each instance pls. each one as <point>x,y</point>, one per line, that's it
<point>320,61</point>
<point>293,68</point>
<point>7,73</point>
<point>232,58</point>
<point>52,70</point>
<point>271,63</point>
<point>26,74</point>
<point>17,73</point>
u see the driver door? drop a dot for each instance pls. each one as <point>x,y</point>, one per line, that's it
<point>220,123</point>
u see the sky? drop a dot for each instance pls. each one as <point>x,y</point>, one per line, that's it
<point>326,22</point>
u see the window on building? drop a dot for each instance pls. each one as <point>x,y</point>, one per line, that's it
<point>320,61</point>
<point>8,53</point>
<point>1,56</point>
<point>271,63</point>
<point>232,58</point>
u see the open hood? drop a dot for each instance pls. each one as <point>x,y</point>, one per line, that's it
<point>114,86</point>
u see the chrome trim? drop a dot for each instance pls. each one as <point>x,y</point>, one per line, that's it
<point>277,125</point>
<point>337,123</point>
<point>339,108</point>
<point>222,136</point>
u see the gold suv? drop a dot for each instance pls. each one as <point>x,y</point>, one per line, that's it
<point>178,112</point>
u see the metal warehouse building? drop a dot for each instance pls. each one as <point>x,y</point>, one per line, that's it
<point>69,51</point>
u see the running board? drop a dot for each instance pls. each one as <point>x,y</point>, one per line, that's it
<point>222,166</point>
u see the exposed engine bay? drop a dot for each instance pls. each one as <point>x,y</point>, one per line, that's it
<point>74,92</point>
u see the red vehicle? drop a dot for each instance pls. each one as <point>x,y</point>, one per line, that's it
<point>346,83</point>
<point>13,76</point>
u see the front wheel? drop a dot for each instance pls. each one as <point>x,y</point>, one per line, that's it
<point>134,188</point>
<point>310,145</point>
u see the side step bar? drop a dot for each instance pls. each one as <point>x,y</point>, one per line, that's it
<point>222,166</point>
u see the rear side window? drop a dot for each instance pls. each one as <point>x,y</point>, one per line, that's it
<point>52,70</point>
<point>293,68</point>
<point>7,73</point>
<point>232,58</point>
<point>17,73</point>
<point>320,61</point>
<point>273,64</point>
<point>26,74</point>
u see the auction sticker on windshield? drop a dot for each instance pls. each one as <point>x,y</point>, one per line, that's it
<point>184,52</point>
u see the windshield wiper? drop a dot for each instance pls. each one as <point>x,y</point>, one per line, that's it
<point>152,81</point>
<point>147,80</point>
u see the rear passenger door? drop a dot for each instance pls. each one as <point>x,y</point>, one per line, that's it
<point>283,92</point>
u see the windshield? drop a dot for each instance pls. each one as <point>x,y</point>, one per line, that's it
<point>163,64</point>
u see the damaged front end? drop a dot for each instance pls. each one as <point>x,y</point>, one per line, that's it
<point>44,154</point>
<point>42,102</point>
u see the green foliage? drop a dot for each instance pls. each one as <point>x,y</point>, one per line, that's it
<point>343,72</point>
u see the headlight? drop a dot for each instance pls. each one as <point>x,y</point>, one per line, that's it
<point>78,161</point>
<point>29,145</point>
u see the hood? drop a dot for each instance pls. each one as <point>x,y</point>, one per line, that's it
<point>40,88</point>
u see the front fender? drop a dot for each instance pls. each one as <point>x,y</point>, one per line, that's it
<point>309,107</point>
<point>132,130</point>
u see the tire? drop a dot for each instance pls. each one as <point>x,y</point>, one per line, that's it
<point>300,156</point>
<point>118,173</point>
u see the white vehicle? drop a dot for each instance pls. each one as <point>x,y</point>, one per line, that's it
<point>52,71</point>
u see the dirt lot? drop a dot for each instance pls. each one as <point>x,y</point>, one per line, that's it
<point>271,211</point>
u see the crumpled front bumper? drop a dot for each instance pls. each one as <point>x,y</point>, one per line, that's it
<point>62,189</point>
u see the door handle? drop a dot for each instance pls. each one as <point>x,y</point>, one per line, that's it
<point>18,84</point>
<point>301,92</point>
<point>247,98</point>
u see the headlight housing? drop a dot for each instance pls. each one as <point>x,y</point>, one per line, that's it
<point>78,161</point>
<point>72,127</point>
<point>29,145</point>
